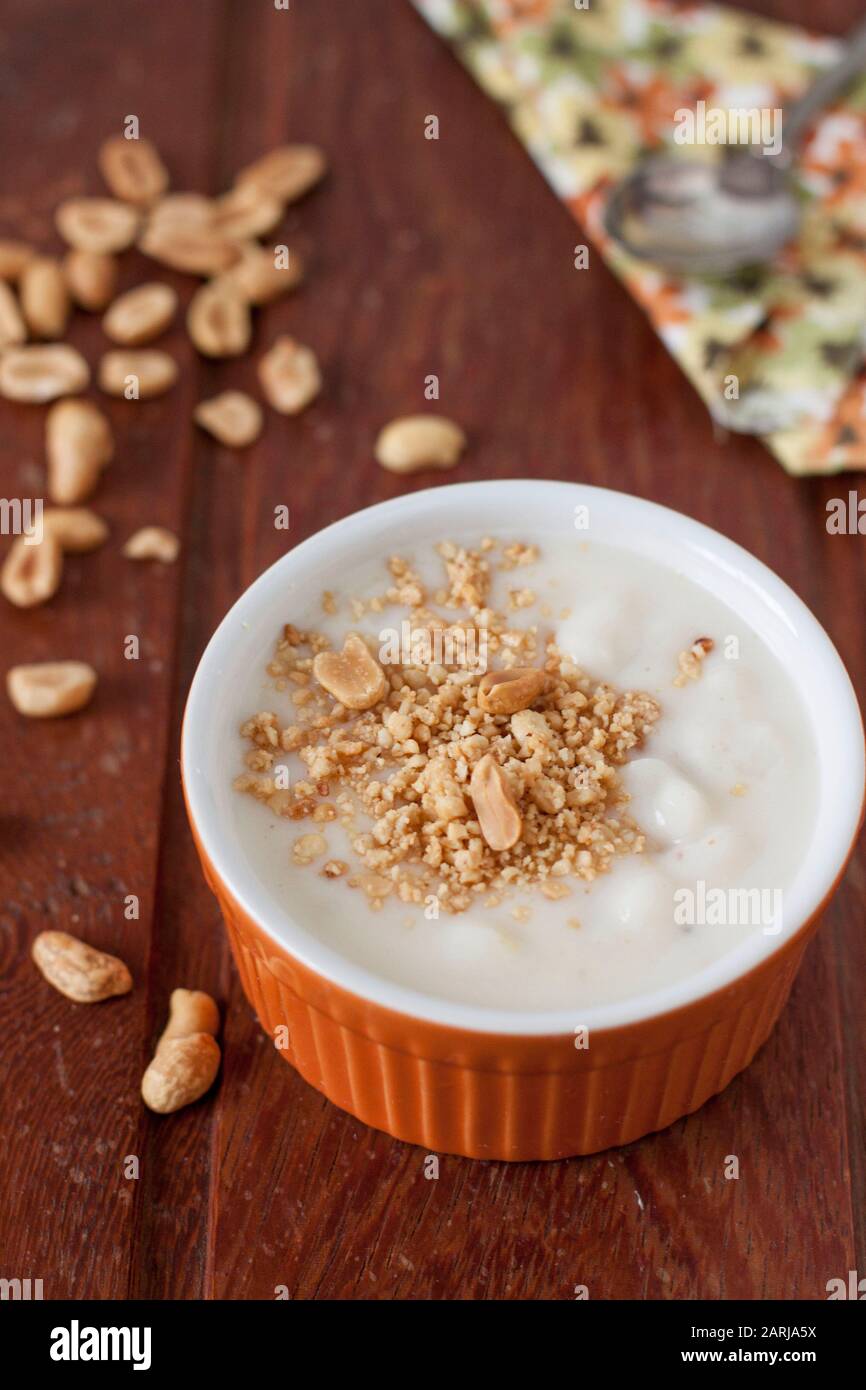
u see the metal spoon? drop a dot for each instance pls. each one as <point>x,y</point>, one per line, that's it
<point>692,217</point>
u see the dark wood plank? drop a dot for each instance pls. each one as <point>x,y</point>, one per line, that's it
<point>449,257</point>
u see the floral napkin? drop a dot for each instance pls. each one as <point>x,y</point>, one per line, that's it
<point>590,91</point>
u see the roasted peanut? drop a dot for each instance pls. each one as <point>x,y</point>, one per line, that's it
<point>247,211</point>
<point>506,692</point>
<point>97,224</point>
<point>44,297</point>
<point>190,1011</point>
<point>14,255</point>
<point>352,676</point>
<point>191,211</point>
<point>232,417</point>
<point>91,278</point>
<point>287,173</point>
<point>498,815</point>
<point>77,530</point>
<point>78,445</point>
<point>419,441</point>
<point>187,1056</point>
<point>141,314</point>
<point>136,374</point>
<point>51,689</point>
<point>31,574</point>
<point>260,275</point>
<point>219,320</point>
<point>133,169</point>
<point>12,327</point>
<point>290,376</point>
<point>39,374</point>
<point>180,1073</point>
<point>194,249</point>
<point>78,970</point>
<point>153,543</point>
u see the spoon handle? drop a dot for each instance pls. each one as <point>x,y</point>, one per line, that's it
<point>797,117</point>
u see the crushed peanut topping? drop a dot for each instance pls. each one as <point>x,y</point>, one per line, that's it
<point>450,782</point>
<point>690,661</point>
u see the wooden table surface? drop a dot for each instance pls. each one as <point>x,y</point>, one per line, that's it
<point>450,257</point>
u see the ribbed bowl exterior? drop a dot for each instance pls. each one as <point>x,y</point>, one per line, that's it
<point>501,1096</point>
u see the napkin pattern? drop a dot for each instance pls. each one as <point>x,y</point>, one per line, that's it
<point>589,92</point>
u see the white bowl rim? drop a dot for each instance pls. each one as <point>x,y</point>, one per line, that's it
<point>241,882</point>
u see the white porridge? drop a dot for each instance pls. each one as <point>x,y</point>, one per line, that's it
<point>712,807</point>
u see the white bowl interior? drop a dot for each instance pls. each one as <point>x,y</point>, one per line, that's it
<point>531,509</point>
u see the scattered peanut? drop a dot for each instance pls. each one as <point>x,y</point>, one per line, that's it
<point>77,530</point>
<point>50,689</point>
<point>232,417</point>
<point>188,211</point>
<point>419,441</point>
<point>12,327</point>
<point>91,278</point>
<point>352,676</point>
<point>190,1011</point>
<point>290,376</point>
<point>218,320</point>
<point>44,297</point>
<point>195,249</point>
<point>153,543</point>
<point>39,374</point>
<point>260,276</point>
<point>689,662</point>
<point>78,446</point>
<point>180,1073</point>
<point>136,374</point>
<point>308,847</point>
<point>506,692</point>
<point>97,224</point>
<point>498,815</point>
<point>133,169</point>
<point>31,574</point>
<point>287,173</point>
<point>14,255</point>
<point>77,970</point>
<point>187,1056</point>
<point>247,211</point>
<point>141,314</point>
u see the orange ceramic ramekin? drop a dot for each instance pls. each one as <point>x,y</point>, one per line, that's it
<point>491,1083</point>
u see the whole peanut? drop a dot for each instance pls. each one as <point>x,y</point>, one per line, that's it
<point>187,1056</point>
<point>78,970</point>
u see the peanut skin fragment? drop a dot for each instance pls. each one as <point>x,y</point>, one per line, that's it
<point>498,816</point>
<point>77,970</point>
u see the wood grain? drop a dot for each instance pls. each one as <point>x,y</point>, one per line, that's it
<point>449,257</point>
